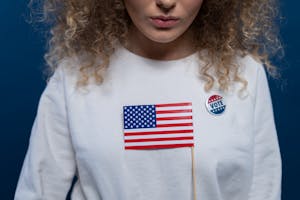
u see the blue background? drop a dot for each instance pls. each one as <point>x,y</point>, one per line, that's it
<point>22,82</point>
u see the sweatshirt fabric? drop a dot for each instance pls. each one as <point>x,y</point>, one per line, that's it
<point>81,133</point>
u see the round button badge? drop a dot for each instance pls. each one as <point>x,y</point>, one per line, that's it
<point>215,105</point>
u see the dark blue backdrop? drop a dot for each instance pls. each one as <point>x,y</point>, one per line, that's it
<point>21,58</point>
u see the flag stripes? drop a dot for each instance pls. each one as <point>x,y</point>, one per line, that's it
<point>167,125</point>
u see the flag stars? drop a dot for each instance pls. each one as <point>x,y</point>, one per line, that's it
<point>141,116</point>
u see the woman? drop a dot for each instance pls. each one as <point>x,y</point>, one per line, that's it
<point>156,99</point>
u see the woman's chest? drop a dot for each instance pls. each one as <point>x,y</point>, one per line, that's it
<point>105,122</point>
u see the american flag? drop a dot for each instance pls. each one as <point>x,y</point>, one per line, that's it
<point>168,125</point>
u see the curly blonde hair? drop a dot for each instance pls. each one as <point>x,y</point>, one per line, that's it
<point>224,28</point>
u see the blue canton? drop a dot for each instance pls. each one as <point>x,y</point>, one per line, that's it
<point>140,116</point>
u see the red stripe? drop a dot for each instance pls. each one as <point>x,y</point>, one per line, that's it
<point>160,146</point>
<point>159,139</point>
<point>173,111</point>
<point>173,118</point>
<point>173,104</point>
<point>173,125</point>
<point>158,132</point>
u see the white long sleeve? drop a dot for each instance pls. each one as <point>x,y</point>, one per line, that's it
<point>236,154</point>
<point>266,182</point>
<point>48,168</point>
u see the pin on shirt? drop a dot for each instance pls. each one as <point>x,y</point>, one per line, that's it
<point>216,104</point>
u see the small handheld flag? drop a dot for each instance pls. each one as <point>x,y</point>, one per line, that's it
<point>158,126</point>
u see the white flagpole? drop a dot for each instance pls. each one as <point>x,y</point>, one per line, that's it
<point>193,173</point>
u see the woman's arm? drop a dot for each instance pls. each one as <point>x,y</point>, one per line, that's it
<point>49,165</point>
<point>266,183</point>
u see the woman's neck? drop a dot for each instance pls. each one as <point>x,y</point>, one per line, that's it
<point>143,46</point>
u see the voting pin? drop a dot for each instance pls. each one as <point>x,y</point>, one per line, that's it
<point>215,105</point>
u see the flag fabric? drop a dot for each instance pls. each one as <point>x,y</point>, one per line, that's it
<point>158,126</point>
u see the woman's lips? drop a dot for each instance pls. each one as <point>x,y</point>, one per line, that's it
<point>164,22</point>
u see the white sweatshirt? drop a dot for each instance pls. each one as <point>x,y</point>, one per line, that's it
<point>75,132</point>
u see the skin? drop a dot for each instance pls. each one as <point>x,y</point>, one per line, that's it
<point>149,41</point>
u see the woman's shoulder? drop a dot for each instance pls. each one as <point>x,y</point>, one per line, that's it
<point>67,73</point>
<point>70,66</point>
<point>253,71</point>
<point>250,66</point>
